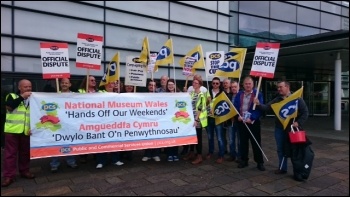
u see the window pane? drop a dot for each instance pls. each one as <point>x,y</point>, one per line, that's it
<point>308,17</point>
<point>6,63</point>
<point>311,4</point>
<point>191,15</point>
<point>247,41</point>
<point>345,23</point>
<point>260,8</point>
<point>234,23</point>
<point>306,31</point>
<point>279,10</point>
<point>345,12</point>
<point>136,21</point>
<point>330,8</point>
<point>187,30</point>
<point>282,31</point>
<point>234,5</point>
<point>234,40</point>
<point>6,20</point>
<point>329,21</point>
<point>251,25</point>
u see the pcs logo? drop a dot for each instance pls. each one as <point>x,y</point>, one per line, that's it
<point>136,60</point>
<point>54,48</point>
<point>230,55</point>
<point>65,150</point>
<point>181,104</point>
<point>288,109</point>
<point>222,108</point>
<point>197,56</point>
<point>49,107</point>
<point>90,39</point>
<point>164,52</point>
<point>230,66</point>
<point>215,56</point>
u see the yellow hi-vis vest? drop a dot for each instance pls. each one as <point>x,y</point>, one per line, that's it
<point>102,91</point>
<point>17,121</point>
<point>203,116</point>
<point>81,91</point>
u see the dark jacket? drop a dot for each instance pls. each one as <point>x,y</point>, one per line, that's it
<point>303,112</point>
<point>255,114</point>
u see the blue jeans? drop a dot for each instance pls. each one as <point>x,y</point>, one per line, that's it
<point>55,161</point>
<point>152,152</point>
<point>101,158</point>
<point>219,134</point>
<point>280,137</point>
<point>233,134</point>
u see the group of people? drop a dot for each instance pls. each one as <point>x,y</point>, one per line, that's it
<point>241,129</point>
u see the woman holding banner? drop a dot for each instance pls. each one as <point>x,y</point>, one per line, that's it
<point>172,152</point>
<point>199,102</point>
<point>101,158</point>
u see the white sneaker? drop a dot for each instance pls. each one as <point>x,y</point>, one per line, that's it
<point>146,158</point>
<point>99,166</point>
<point>118,163</point>
<point>156,158</point>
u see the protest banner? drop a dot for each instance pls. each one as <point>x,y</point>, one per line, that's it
<point>73,124</point>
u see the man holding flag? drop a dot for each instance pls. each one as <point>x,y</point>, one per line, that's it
<point>290,109</point>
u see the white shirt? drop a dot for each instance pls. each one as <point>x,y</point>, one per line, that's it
<point>202,89</point>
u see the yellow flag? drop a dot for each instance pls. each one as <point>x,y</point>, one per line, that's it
<point>112,71</point>
<point>288,108</point>
<point>144,56</point>
<point>233,65</point>
<point>223,108</point>
<point>165,55</point>
<point>197,53</point>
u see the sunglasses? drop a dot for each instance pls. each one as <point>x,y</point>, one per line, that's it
<point>215,83</point>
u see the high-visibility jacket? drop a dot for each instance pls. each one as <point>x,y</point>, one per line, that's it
<point>102,91</point>
<point>81,91</point>
<point>18,120</point>
<point>203,115</point>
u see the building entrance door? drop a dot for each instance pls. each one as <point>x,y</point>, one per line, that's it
<point>320,99</point>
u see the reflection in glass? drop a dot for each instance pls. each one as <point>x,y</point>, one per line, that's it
<point>329,21</point>
<point>247,41</point>
<point>282,31</point>
<point>306,31</point>
<point>254,26</point>
<point>260,8</point>
<point>308,17</point>
<point>279,10</point>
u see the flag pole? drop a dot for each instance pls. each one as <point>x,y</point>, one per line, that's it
<point>172,50</point>
<point>57,85</point>
<point>257,91</point>
<point>205,69</point>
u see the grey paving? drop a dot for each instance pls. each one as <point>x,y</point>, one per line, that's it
<point>329,176</point>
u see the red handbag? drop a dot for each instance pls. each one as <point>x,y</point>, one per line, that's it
<point>297,136</point>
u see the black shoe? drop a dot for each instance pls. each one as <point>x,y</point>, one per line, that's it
<point>278,171</point>
<point>261,167</point>
<point>231,158</point>
<point>242,164</point>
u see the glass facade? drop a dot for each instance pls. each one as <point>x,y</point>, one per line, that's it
<point>216,25</point>
<point>276,21</point>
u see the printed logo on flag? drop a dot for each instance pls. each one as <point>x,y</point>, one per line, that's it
<point>229,55</point>
<point>164,52</point>
<point>222,108</point>
<point>288,109</point>
<point>230,66</point>
<point>196,55</point>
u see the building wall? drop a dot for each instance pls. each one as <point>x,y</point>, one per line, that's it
<point>123,24</point>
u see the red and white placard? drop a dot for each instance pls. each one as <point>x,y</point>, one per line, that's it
<point>89,51</point>
<point>265,59</point>
<point>54,60</point>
